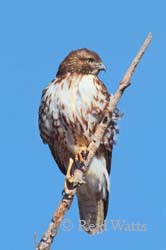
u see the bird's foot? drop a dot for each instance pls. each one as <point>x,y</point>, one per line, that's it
<point>72,181</point>
<point>82,154</point>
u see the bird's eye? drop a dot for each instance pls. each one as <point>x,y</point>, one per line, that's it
<point>90,60</point>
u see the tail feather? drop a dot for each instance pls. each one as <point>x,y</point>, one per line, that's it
<point>92,214</point>
<point>93,195</point>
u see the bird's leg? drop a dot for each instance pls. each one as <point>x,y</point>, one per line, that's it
<point>72,180</point>
<point>69,177</point>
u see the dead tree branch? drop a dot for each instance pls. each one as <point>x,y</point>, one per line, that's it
<point>79,172</point>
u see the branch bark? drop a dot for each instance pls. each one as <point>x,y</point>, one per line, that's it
<point>79,172</point>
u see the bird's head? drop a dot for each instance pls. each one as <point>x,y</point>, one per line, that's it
<point>82,61</point>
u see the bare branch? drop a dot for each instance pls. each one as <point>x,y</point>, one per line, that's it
<point>67,199</point>
<point>52,229</point>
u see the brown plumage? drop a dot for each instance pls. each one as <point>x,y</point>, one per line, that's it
<point>82,61</point>
<point>70,109</point>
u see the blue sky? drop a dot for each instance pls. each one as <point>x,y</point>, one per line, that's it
<point>35,37</point>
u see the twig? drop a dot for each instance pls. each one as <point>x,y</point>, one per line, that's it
<point>66,201</point>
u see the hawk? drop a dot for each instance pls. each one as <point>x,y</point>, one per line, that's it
<point>71,107</point>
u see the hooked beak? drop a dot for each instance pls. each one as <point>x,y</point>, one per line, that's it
<point>101,66</point>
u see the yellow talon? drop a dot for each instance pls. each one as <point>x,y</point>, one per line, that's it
<point>71,179</point>
<point>81,154</point>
